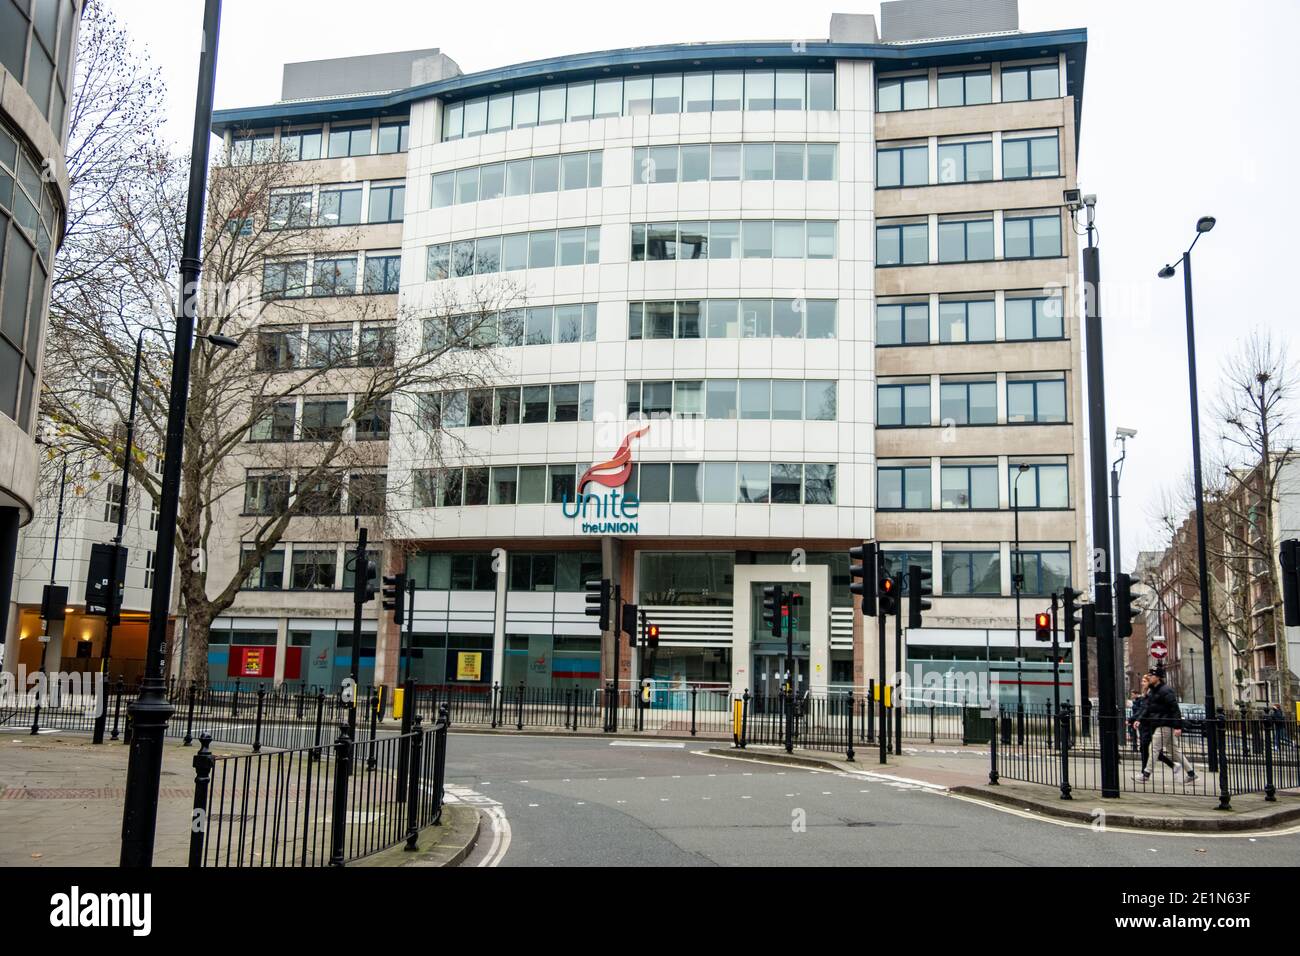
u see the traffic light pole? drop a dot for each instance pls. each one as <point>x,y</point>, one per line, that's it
<point>883,722</point>
<point>788,608</point>
<point>618,639</point>
<point>358,587</point>
<point>1056,661</point>
<point>1103,607</point>
<point>898,670</point>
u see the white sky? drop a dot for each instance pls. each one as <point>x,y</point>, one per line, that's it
<point>1189,109</point>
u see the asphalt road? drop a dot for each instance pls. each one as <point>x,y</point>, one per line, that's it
<point>597,802</point>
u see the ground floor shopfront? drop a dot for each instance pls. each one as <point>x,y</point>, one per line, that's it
<point>517,615</point>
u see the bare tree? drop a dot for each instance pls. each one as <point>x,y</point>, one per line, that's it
<point>247,482</point>
<point>1253,415</point>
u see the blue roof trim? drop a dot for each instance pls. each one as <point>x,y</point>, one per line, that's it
<point>585,65</point>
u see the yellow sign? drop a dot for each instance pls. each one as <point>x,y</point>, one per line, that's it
<point>398,695</point>
<point>469,665</point>
<point>737,713</point>
<point>889,696</point>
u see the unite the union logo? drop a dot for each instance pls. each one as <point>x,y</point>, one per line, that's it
<point>611,512</point>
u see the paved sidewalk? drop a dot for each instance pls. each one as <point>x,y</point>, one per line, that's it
<point>61,801</point>
<point>965,771</point>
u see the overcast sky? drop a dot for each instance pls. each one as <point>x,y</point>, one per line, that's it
<point>1189,110</point>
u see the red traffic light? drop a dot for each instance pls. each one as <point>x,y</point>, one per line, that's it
<point>653,631</point>
<point>1043,626</point>
<point>887,586</point>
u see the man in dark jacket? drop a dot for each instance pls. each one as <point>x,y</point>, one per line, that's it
<point>1142,735</point>
<point>1163,718</point>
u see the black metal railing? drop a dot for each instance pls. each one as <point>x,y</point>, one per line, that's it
<point>1220,757</point>
<point>324,805</point>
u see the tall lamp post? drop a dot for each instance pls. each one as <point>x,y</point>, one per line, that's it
<point>1122,435</point>
<point>1017,585</point>
<point>113,609</point>
<point>1203,225</point>
<point>151,710</point>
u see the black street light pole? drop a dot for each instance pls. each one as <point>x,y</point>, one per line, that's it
<point>1109,714</point>
<point>46,637</point>
<point>1017,585</point>
<point>1203,225</point>
<point>150,711</point>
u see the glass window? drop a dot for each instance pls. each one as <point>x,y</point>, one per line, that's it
<point>698,93</point>
<point>581,100</point>
<point>550,107</point>
<point>394,137</point>
<point>572,245</point>
<point>903,323</point>
<point>727,91</point>
<point>568,323</point>
<point>514,251</point>
<point>564,403</point>
<point>694,163</point>
<point>444,189</point>
<point>661,241</point>
<point>754,482</point>
<point>757,161</point>
<point>350,141</point>
<point>1032,237</point>
<point>574,171</point>
<point>313,568</point>
<point>969,486</point>
<point>787,400</point>
<point>1035,318</point>
<point>967,240</point>
<point>968,403</point>
<point>903,166</point>
<point>505,485</point>
<point>667,93</point>
<point>562,482</point>
<point>637,95</point>
<point>724,239</point>
<point>787,318</point>
<point>387,203</point>
<point>903,93</point>
<point>609,97</point>
<point>820,400</point>
<point>688,320</point>
<point>653,482</point>
<point>791,86</point>
<point>518,177</point>
<point>687,482</point>
<point>532,484</point>
<point>788,239</point>
<point>726,163</point>
<point>756,318</point>
<point>966,321</point>
<point>906,487</point>
<point>546,174</point>
<point>965,162</point>
<point>787,483</point>
<point>1031,157</point>
<point>721,399</point>
<point>537,404</point>
<point>720,482</point>
<point>541,250</point>
<point>539,327</point>
<point>340,207</point>
<point>965,89</point>
<point>903,405</point>
<point>757,238</point>
<point>491,181</point>
<point>971,573</point>
<point>821,239</point>
<point>906,244</point>
<point>756,398</point>
<point>821,93</point>
<point>1036,402</point>
<point>821,162</point>
<point>759,89</point>
<point>334,277</point>
<point>819,318</point>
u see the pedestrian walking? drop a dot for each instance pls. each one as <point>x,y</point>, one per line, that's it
<point>1165,720</point>
<point>1280,729</point>
<point>1142,734</point>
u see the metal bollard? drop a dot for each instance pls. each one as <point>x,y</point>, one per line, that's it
<point>744,719</point>
<point>373,760</point>
<point>1063,736</point>
<point>342,771</point>
<point>496,696</point>
<point>932,723</point>
<point>413,789</point>
<point>320,716</point>
<point>204,763</point>
<point>440,762</point>
<point>694,692</point>
<point>519,708</point>
<point>1270,789</point>
<point>993,756</point>
<point>117,706</point>
<point>849,751</point>
<point>189,718</point>
<point>257,725</point>
<point>1221,739</point>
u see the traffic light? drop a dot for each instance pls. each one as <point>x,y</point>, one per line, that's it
<point>598,602</point>
<point>1088,621</point>
<point>773,608</point>
<point>652,635</point>
<point>395,595</point>
<point>364,579</point>
<point>1125,612</point>
<point>918,589</point>
<point>887,592</point>
<point>629,622</point>
<point>1042,626</point>
<point>1290,558</point>
<point>1071,611</point>
<point>862,569</point>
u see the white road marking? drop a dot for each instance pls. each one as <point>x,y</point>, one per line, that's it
<point>648,743</point>
<point>496,815</point>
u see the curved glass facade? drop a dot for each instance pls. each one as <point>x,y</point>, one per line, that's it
<point>36,47</point>
<point>702,92</point>
<point>28,233</point>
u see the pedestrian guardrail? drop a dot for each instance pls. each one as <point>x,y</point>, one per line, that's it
<point>321,805</point>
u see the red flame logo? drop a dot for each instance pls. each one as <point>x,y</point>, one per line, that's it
<point>622,460</point>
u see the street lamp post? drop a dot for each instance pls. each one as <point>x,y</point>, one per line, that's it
<point>1122,435</point>
<point>114,609</point>
<point>151,710</point>
<point>1017,584</point>
<point>1203,225</point>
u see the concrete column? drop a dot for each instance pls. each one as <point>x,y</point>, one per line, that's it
<point>8,558</point>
